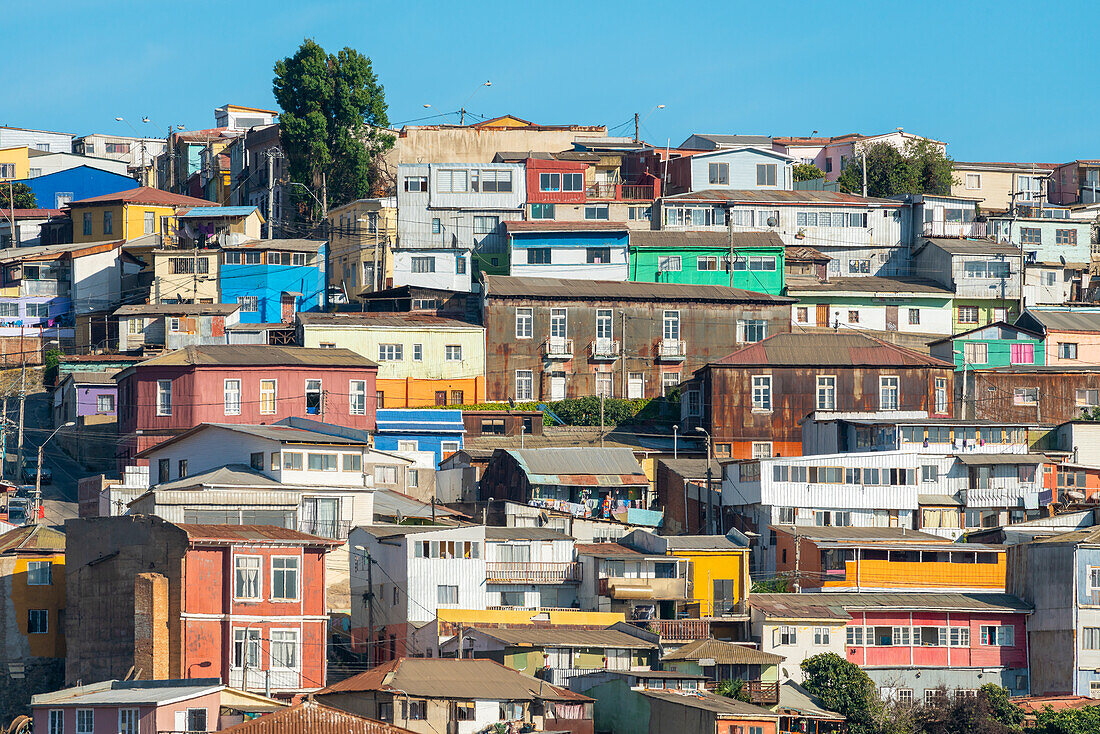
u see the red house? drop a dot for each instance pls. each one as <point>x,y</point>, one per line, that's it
<point>574,178</point>
<point>250,383</point>
<point>245,603</point>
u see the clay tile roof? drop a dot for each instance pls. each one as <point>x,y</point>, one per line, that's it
<point>839,349</point>
<point>315,718</point>
<point>144,195</point>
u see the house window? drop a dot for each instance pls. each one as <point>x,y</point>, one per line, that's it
<point>1031,236</point>
<point>453,352</point>
<point>232,400</point>
<point>418,352</point>
<point>247,577</point>
<point>929,473</point>
<point>761,449</point>
<point>998,635</point>
<point>1065,236</point>
<point>196,720</point>
<point>242,258</point>
<point>719,174</point>
<point>765,174</point>
<point>321,462</point>
<point>87,215</point>
<point>542,211</point>
<point>751,330</point>
<point>128,718</point>
<point>164,397</point>
<point>85,721</point>
<point>597,211</point>
<point>267,397</point>
<point>150,222</point>
<point>973,181</point>
<point>1025,396</point>
<point>284,649</point>
<point>437,226</point>
<point>914,317</point>
<point>357,397</point>
<point>1067,350</point>
<point>600,255</point>
<point>941,395</point>
<point>788,635</point>
<point>134,326</point>
<point>313,397</point>
<point>292,460</point>
<point>572,182</point>
<point>1090,638</point>
<point>821,635</point>
<point>284,578</point>
<point>604,385</point>
<point>669,382</point>
<point>668,264</point>
<point>416,183</point>
<point>888,393</point>
<point>695,402</point>
<point>105,404</point>
<point>108,223</point>
<point>446,594</point>
<point>762,392</point>
<point>671,325</point>
<point>173,324</point>
<point>423,265</point>
<point>452,181</point>
<point>968,314</point>
<point>1089,398</point>
<point>246,649</point>
<point>485,225</point>
<point>390,352</point>
<point>1023,354</point>
<point>525,323</point>
<point>638,213</point>
<point>249,304</point>
<point>549,182</point>
<point>826,392</point>
<point>38,573</point>
<point>351,462</point>
<point>464,711</point>
<point>385,475</point>
<point>802,314</point>
<point>539,256</point>
<point>706,263</point>
<point>859,266</point>
<point>492,426</point>
<point>975,352</point>
<point>525,385</point>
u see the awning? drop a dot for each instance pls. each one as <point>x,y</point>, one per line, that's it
<point>943,500</point>
<point>993,459</point>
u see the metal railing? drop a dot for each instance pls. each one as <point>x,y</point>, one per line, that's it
<point>620,192</point>
<point>956,229</point>
<point>672,349</point>
<point>533,572</point>
<point>558,347</point>
<point>604,349</point>
<point>337,530</point>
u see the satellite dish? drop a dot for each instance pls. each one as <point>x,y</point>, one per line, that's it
<point>773,222</point>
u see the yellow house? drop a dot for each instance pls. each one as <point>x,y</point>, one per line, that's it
<point>32,572</point>
<point>127,215</point>
<point>361,233</point>
<point>718,569</point>
<point>15,163</point>
<point>422,359</point>
<point>184,276</point>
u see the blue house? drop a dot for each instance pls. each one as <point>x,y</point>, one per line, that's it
<point>585,250</point>
<point>732,169</point>
<point>411,429</point>
<point>54,190</point>
<point>273,279</point>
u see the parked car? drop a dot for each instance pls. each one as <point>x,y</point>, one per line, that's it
<point>30,471</point>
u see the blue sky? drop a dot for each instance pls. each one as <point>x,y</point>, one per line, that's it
<point>1004,81</point>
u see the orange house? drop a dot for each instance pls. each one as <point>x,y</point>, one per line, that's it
<point>885,559</point>
<point>1069,483</point>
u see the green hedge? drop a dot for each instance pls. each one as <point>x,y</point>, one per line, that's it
<point>586,411</point>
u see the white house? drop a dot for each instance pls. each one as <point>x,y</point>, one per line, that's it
<point>906,305</point>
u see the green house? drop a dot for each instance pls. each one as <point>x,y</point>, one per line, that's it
<point>720,660</point>
<point>999,344</point>
<point>702,258</point>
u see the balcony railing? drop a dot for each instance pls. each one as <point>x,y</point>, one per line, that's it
<point>509,572</point>
<point>558,348</point>
<point>956,229</point>
<point>761,692</point>
<point>637,191</point>
<point>672,349</point>
<point>646,588</point>
<point>620,192</point>
<point>604,349</point>
<point>677,630</point>
<point>337,530</point>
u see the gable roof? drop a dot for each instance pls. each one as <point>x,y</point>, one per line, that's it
<point>724,653</point>
<point>678,238</point>
<point>805,252</point>
<point>465,679</point>
<point>834,349</point>
<point>559,636</point>
<point>143,195</point>
<point>557,289</point>
<point>309,715</point>
<point>253,355</point>
<point>272,432</point>
<point>230,475</point>
<point>723,140</point>
<point>995,324</point>
<point>253,535</point>
<point>871,285</point>
<point>724,708</point>
<point>1068,319</point>
<point>619,465</point>
<point>32,539</point>
<point>968,247</point>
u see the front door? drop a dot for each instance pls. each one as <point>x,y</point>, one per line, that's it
<point>287,304</point>
<point>891,318</point>
<point>822,314</point>
<point>557,386</point>
<point>635,385</point>
<point>440,397</point>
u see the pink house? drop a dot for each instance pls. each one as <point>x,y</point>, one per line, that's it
<point>146,707</point>
<point>256,384</point>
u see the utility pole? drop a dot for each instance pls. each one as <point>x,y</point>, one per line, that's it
<point>635,127</point>
<point>375,280</point>
<point>270,193</point>
<point>797,562</point>
<point>4,440</point>
<point>171,161</point>
<point>22,404</point>
<point>729,226</point>
<point>37,486</point>
<point>324,195</point>
<point>863,165</point>
<point>11,210</point>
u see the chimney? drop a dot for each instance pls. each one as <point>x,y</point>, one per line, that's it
<point>151,625</point>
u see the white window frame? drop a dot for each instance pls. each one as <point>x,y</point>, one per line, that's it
<point>527,377</point>
<point>86,717</point>
<point>826,388</point>
<point>164,397</point>
<point>670,325</point>
<point>977,181</point>
<point>297,571</point>
<point>231,405</point>
<point>889,384</point>
<point>33,567</point>
<point>762,393</point>
<point>669,263</point>
<point>453,352</point>
<point>357,397</point>
<point>129,721</point>
<point>525,323</point>
<point>274,392</point>
<point>238,567</point>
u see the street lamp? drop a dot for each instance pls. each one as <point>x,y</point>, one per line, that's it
<point>709,520</point>
<point>38,474</point>
<point>462,109</point>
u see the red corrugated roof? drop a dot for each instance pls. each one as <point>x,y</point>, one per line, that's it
<point>31,213</point>
<point>847,349</point>
<point>268,534</point>
<point>310,717</point>
<point>145,195</point>
<point>526,226</point>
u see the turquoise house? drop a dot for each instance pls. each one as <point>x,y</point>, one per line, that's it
<point>702,258</point>
<point>999,344</point>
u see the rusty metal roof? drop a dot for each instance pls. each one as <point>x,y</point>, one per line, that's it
<point>401,320</point>
<point>464,679</point>
<point>558,289</point>
<point>289,245</point>
<point>722,707</point>
<point>776,606</point>
<point>144,195</point>
<point>907,600</point>
<point>553,226</point>
<point>676,238</point>
<point>783,198</point>
<point>177,309</point>
<point>252,355</point>
<point>995,459</point>
<point>562,636</point>
<point>598,467</point>
<point>833,349</point>
<point>724,653</point>
<point>32,539</point>
<point>252,535</point>
<point>312,717</point>
<point>969,247</point>
<point>797,253</point>
<point>872,285</point>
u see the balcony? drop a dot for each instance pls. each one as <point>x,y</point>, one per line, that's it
<point>604,350</point>
<point>677,630</point>
<point>621,192</point>
<point>518,572</point>
<point>337,530</point>
<point>672,350</point>
<point>956,229</point>
<point>258,679</point>
<point>658,589</point>
<point>558,348</point>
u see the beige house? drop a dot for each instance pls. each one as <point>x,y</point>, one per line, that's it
<point>995,183</point>
<point>362,236</point>
<point>184,276</point>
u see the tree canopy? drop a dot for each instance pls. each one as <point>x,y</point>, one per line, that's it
<point>842,687</point>
<point>24,197</point>
<point>807,172</point>
<point>333,113</point>
<point>921,168</point>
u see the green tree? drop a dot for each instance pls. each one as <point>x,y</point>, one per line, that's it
<point>24,197</point>
<point>333,108</point>
<point>921,168</point>
<point>929,168</point>
<point>807,172</point>
<point>779,584</point>
<point>1000,705</point>
<point>1084,720</point>
<point>843,687</point>
<point>979,714</point>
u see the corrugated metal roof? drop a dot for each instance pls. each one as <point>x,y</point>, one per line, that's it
<point>502,533</point>
<point>143,195</point>
<point>218,211</point>
<point>692,468</point>
<point>872,285</point>
<point>907,600</point>
<point>724,653</point>
<point>796,699</point>
<point>32,539</point>
<point>942,500</point>
<point>353,319</point>
<point>289,245</point>
<point>776,606</point>
<point>105,377</point>
<point>230,475</point>
<point>273,432</point>
<point>723,139</point>
<point>312,717</point>
<point>701,542</point>
<point>419,420</point>
<point>835,349</point>
<point>970,247</point>
<point>253,534</point>
<point>390,503</point>
<point>53,252</point>
<point>804,252</point>
<point>465,679</point>
<point>609,550</point>
<point>720,705</point>
<point>251,355</point>
<point>782,197</point>
<point>1071,320</point>
<point>677,238</point>
<point>177,309</point>
<point>998,459</point>
<point>594,461</point>
<point>557,289</point>
<point>564,637</point>
<point>117,692</point>
<point>522,226</point>
<point>818,532</point>
<point>397,531</point>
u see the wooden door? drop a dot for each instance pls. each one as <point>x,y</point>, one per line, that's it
<point>822,314</point>
<point>891,318</point>
<point>440,397</point>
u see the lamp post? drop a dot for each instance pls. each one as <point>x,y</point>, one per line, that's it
<point>462,109</point>
<point>638,123</point>
<point>710,459</point>
<point>141,141</point>
<point>38,474</point>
